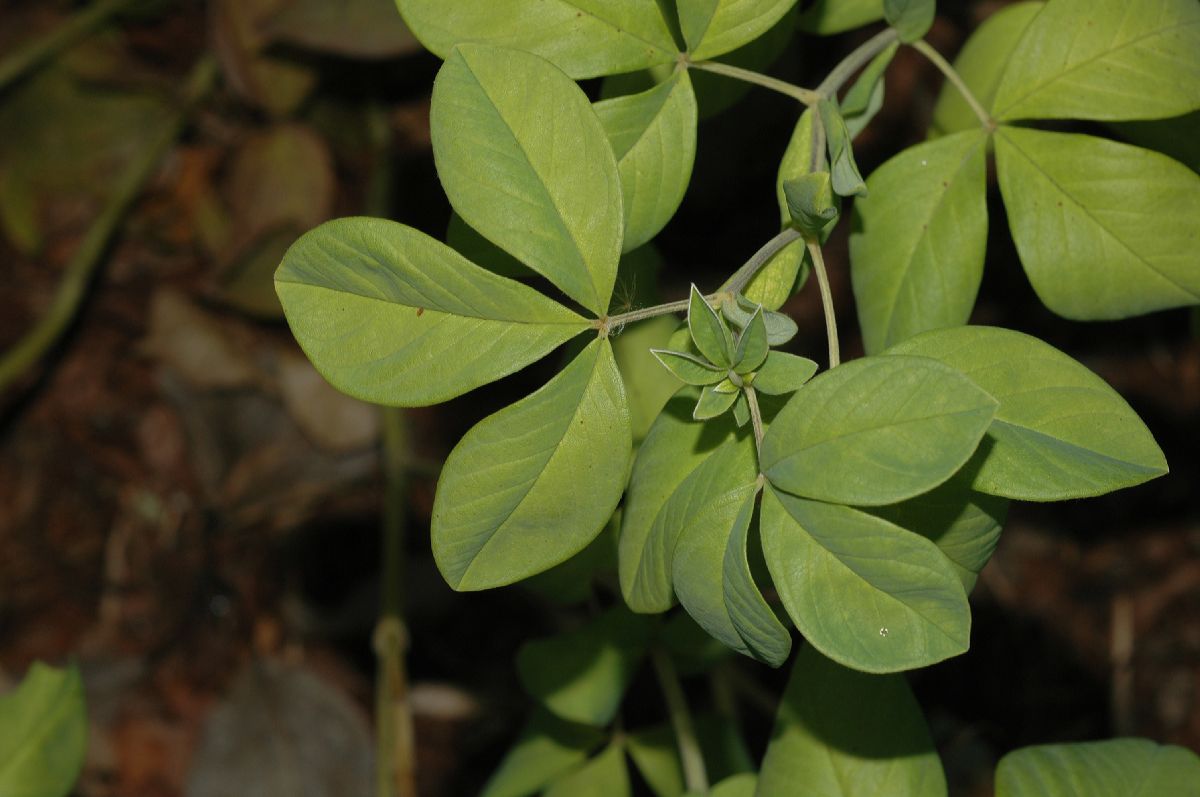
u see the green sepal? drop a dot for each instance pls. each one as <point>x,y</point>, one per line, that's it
<point>741,410</point>
<point>708,331</point>
<point>783,373</point>
<point>811,202</point>
<point>713,403</point>
<point>780,328</point>
<point>689,368</point>
<point>912,19</point>
<point>752,346</point>
<point>847,180</point>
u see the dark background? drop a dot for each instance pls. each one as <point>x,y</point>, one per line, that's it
<point>183,501</point>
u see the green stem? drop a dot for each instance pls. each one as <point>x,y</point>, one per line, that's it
<point>695,776</point>
<point>755,417</point>
<point>741,278</point>
<point>75,280</point>
<point>855,61</point>
<point>36,53</point>
<point>925,49</point>
<point>806,96</point>
<point>831,332</point>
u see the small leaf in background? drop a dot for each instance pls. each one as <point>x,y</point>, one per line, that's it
<point>783,373</point>
<point>647,384</point>
<point>899,605</point>
<point>1126,216</point>
<point>276,83</point>
<point>742,785</point>
<point>560,180</point>
<point>741,410</point>
<point>708,331</point>
<point>355,28</point>
<point>1177,137</point>
<point>605,775</point>
<point>811,202</point>
<point>714,27</point>
<point>714,402</point>
<point>1060,431</point>
<point>963,523</point>
<point>689,369</point>
<point>653,136</point>
<point>1112,768</point>
<point>66,139</point>
<point>827,17</point>
<point>847,180</point>
<point>912,19</point>
<point>919,239</point>
<point>718,498</point>
<point>1105,59</point>
<point>981,64</point>
<point>582,675</point>
<point>413,323</point>
<point>873,432</point>
<point>764,637</point>
<point>547,748</point>
<point>656,757</point>
<point>675,448</point>
<point>612,38</point>
<point>317,739</point>
<point>848,734</point>
<point>43,733</point>
<point>752,345</point>
<point>508,503</point>
<point>738,311</point>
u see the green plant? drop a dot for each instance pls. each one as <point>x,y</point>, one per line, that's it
<point>876,490</point>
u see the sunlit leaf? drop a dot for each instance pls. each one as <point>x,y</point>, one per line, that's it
<point>863,591</point>
<point>1112,768</point>
<point>509,502</point>
<point>1104,230</point>
<point>1060,431</point>
<point>389,315</point>
<point>714,27</point>
<point>1105,59</point>
<point>547,193</point>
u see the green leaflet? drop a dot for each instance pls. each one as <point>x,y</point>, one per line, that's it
<point>752,345</point>
<point>847,734</point>
<point>864,98</point>
<point>1104,230</point>
<point>1060,431</point>
<point>1113,768</point>
<point>603,776</point>
<point>847,180</point>
<point>688,368</point>
<point>715,401</point>
<point>708,331</point>
<point>533,484</point>
<point>653,135</point>
<point>963,523</point>
<point>827,17</point>
<point>547,748</point>
<point>584,38</point>
<point>389,315</point>
<point>714,27</point>
<point>1105,59</point>
<point>873,432</point>
<point>981,63</point>
<point>43,733</point>
<point>667,470</point>
<point>919,239</point>
<point>738,311</point>
<point>742,785</point>
<point>647,384</point>
<point>783,373</point>
<point>707,509</point>
<point>656,757</point>
<point>863,591</point>
<point>912,19</point>
<point>581,676</point>
<point>551,193</point>
<point>764,637</point>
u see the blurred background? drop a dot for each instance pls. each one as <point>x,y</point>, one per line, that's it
<point>193,516</point>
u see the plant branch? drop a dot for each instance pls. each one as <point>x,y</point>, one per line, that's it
<point>36,53</point>
<point>927,50</point>
<point>806,96</point>
<point>741,278</point>
<point>831,333</point>
<point>755,417</point>
<point>855,61</point>
<point>78,275</point>
<point>695,776</point>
